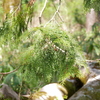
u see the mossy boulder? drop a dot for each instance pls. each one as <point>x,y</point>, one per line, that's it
<point>91,90</point>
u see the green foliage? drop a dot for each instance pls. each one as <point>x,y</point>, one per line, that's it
<point>44,55</point>
<point>25,1</point>
<point>16,25</point>
<point>44,58</point>
<point>5,67</point>
<point>13,81</point>
<point>89,42</point>
<point>76,9</point>
<point>92,4</point>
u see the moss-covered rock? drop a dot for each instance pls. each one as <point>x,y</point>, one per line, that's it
<point>91,90</point>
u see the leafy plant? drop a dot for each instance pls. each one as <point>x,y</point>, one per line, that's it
<point>13,81</point>
<point>92,4</point>
<point>45,55</point>
<point>89,42</point>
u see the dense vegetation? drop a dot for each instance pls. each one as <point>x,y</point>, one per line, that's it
<point>46,42</point>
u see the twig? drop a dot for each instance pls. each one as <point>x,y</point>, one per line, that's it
<point>40,16</point>
<point>60,17</point>
<point>49,42</point>
<point>10,71</point>
<point>56,22</point>
<point>54,14</point>
<point>31,2</point>
<point>58,13</point>
<point>93,60</point>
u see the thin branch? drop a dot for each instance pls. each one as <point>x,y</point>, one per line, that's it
<point>10,71</point>
<point>40,16</point>
<point>56,22</point>
<point>58,13</point>
<point>54,14</point>
<point>93,60</point>
<point>49,42</point>
<point>60,17</point>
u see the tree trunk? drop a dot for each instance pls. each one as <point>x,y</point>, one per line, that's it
<point>90,20</point>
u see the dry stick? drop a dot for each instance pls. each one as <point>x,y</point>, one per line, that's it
<point>40,21</point>
<point>54,14</point>
<point>93,60</point>
<point>54,46</point>
<point>10,71</point>
<point>56,22</point>
<point>58,13</point>
<point>60,17</point>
